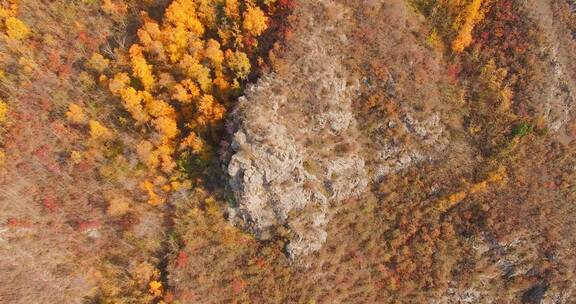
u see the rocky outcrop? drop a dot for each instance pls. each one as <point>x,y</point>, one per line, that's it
<point>554,96</point>
<point>294,149</point>
<point>430,137</point>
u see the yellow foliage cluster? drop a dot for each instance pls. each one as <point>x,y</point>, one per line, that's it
<point>3,111</point>
<point>239,63</point>
<point>9,10</point>
<point>254,21</point>
<point>498,90</point>
<point>141,282</point>
<point>27,64</point>
<point>208,223</point>
<point>472,13</point>
<point>153,198</point>
<point>141,68</point>
<point>99,132</point>
<point>75,114</point>
<point>14,27</point>
<point>434,39</point>
<point>114,7</point>
<point>155,288</point>
<point>3,117</point>
<point>98,63</point>
<point>180,76</point>
<point>118,206</point>
<point>76,157</point>
<point>495,177</point>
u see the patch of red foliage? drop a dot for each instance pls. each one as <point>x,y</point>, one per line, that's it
<point>19,223</point>
<point>169,297</point>
<point>238,285</point>
<point>43,153</point>
<point>85,225</point>
<point>287,4</point>
<point>504,34</point>
<point>260,263</point>
<point>90,42</point>
<point>506,37</point>
<point>85,166</point>
<point>182,259</point>
<point>49,202</point>
<point>454,71</point>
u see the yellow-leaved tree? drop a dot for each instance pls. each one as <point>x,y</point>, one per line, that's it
<point>3,111</point>
<point>178,80</point>
<point>12,26</point>
<point>472,14</point>
<point>254,21</point>
<point>75,114</point>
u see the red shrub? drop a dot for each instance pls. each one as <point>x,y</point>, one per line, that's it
<point>19,223</point>
<point>182,259</point>
<point>238,285</point>
<point>85,225</point>
<point>49,202</point>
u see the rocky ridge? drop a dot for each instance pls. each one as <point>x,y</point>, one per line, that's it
<point>295,151</point>
<point>297,148</point>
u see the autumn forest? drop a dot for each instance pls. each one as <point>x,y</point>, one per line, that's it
<point>287,151</point>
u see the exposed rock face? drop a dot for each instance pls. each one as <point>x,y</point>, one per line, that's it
<point>393,156</point>
<point>294,148</point>
<point>555,94</point>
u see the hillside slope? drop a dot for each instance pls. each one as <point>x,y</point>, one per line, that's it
<point>311,151</point>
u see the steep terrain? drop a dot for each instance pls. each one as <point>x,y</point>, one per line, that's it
<point>558,90</point>
<point>295,148</point>
<point>311,151</point>
<point>298,148</point>
<point>442,139</point>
